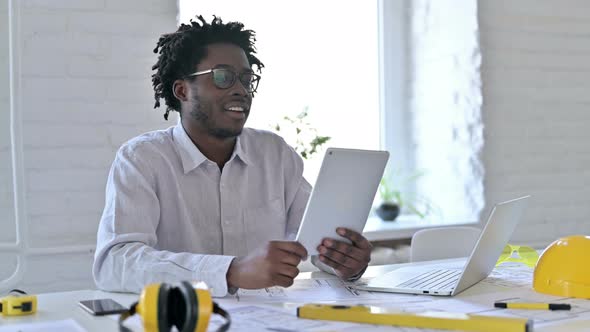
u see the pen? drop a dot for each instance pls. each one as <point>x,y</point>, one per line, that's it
<point>537,306</point>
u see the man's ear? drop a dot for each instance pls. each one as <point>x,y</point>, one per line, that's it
<point>179,89</point>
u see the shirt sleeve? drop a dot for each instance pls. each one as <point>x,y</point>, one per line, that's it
<point>126,259</point>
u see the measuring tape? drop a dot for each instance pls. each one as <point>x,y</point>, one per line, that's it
<point>18,303</point>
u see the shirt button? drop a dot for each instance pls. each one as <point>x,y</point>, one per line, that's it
<point>226,221</point>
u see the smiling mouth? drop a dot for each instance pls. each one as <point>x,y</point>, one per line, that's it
<point>236,112</point>
<point>238,109</point>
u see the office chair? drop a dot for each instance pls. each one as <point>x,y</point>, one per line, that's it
<point>443,242</point>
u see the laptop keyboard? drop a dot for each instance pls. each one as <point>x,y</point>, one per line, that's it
<point>442,279</point>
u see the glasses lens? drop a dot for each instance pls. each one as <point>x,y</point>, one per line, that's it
<point>507,250</point>
<point>223,78</point>
<point>506,253</point>
<point>530,255</point>
<point>249,81</point>
<point>525,255</point>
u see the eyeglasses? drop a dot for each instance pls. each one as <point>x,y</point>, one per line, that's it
<point>225,78</point>
<point>525,255</point>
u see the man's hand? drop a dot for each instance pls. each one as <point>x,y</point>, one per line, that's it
<point>275,264</point>
<point>347,259</point>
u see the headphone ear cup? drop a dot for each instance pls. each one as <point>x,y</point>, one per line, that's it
<point>183,307</point>
<point>164,295</point>
<point>149,308</point>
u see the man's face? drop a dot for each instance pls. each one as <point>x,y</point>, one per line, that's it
<point>218,112</point>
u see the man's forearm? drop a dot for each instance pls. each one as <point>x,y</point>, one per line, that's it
<point>131,266</point>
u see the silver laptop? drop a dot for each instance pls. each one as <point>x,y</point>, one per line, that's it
<point>446,280</point>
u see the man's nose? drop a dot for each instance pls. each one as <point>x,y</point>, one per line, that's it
<point>239,88</point>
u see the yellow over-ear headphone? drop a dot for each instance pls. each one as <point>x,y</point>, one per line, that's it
<point>184,306</point>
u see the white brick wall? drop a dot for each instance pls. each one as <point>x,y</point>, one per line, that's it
<point>86,88</point>
<point>535,72</point>
<point>8,265</point>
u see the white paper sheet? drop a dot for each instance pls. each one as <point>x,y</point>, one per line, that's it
<point>259,318</point>
<point>67,325</point>
<point>312,290</point>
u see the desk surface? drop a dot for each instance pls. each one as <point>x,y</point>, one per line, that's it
<point>63,305</point>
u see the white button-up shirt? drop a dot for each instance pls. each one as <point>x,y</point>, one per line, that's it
<point>171,214</point>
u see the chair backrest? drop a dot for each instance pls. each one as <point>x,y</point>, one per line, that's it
<point>443,242</point>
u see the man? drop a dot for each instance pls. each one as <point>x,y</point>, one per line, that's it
<point>209,199</point>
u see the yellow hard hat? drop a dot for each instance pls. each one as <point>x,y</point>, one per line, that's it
<point>564,268</point>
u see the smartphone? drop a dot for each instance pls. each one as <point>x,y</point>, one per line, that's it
<point>102,307</point>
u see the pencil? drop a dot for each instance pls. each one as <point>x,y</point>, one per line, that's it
<point>533,306</point>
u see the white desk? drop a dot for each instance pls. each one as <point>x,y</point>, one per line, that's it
<point>63,305</point>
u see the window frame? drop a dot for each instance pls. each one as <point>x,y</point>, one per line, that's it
<point>395,115</point>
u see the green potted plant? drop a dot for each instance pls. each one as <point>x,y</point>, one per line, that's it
<point>389,208</point>
<point>300,134</point>
<point>393,201</point>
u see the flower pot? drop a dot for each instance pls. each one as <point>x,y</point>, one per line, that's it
<point>388,211</point>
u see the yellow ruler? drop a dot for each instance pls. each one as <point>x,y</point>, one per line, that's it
<point>431,319</point>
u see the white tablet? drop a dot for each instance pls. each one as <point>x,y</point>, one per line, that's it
<point>342,196</point>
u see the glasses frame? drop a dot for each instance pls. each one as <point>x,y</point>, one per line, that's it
<point>237,76</point>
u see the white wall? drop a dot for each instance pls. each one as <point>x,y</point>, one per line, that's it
<point>85,89</point>
<point>536,98</point>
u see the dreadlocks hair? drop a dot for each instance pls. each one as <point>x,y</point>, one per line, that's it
<point>181,51</point>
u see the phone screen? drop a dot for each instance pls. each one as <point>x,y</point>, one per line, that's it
<point>102,307</point>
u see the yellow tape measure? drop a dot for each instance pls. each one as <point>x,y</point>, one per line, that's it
<point>430,320</point>
<point>18,303</point>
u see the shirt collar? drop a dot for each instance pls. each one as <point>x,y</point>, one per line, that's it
<point>192,157</point>
<point>239,150</point>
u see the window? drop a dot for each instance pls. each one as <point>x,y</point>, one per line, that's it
<point>390,74</point>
